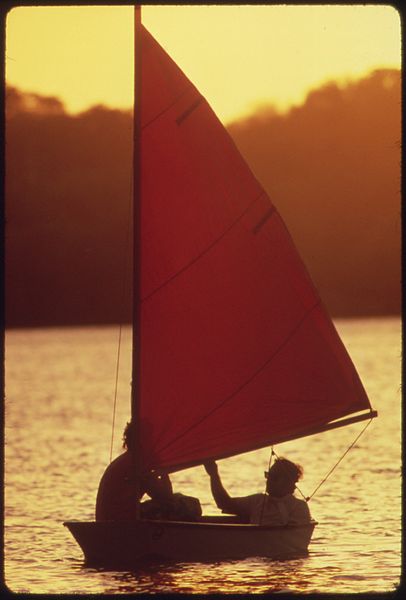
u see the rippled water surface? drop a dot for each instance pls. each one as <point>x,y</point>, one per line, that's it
<point>59,406</point>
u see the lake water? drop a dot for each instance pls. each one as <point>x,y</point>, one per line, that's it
<point>58,424</point>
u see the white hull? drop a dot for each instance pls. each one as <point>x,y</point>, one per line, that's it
<point>121,544</point>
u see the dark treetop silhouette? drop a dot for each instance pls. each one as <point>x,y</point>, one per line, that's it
<point>331,166</point>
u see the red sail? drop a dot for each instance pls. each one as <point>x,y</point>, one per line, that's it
<point>237,351</point>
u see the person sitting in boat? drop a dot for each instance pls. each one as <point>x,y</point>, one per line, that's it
<point>278,506</point>
<point>165,504</point>
<point>117,494</point>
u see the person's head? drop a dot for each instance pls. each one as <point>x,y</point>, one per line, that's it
<point>282,477</point>
<point>128,436</point>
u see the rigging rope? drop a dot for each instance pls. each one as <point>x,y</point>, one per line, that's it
<point>308,498</point>
<point>337,463</point>
<point>265,495</point>
<point>115,391</point>
<point>123,291</point>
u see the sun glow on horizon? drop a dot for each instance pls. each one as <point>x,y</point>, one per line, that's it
<point>238,56</point>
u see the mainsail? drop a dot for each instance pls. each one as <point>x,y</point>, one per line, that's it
<point>236,349</point>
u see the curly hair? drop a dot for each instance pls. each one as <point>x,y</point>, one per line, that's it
<point>286,468</point>
<point>282,477</point>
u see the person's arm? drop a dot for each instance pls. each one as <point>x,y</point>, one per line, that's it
<point>221,497</point>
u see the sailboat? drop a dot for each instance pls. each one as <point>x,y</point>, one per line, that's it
<point>232,348</point>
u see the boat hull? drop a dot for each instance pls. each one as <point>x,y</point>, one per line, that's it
<point>122,544</point>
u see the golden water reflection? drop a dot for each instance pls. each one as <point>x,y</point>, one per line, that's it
<point>57,443</point>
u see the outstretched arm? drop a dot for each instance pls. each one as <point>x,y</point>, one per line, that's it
<point>220,495</point>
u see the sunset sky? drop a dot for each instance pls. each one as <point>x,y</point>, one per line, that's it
<point>239,57</point>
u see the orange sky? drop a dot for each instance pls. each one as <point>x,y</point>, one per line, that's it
<point>238,56</point>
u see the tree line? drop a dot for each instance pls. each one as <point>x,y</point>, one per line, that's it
<point>331,166</point>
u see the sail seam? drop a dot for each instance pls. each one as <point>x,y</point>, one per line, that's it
<point>189,110</point>
<point>264,219</point>
<point>249,380</point>
<point>168,107</point>
<point>205,251</point>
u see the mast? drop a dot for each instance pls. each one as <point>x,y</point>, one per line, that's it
<point>136,272</point>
